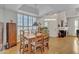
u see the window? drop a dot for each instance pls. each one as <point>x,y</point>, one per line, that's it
<point>34,19</point>
<point>76,25</point>
<point>30,21</point>
<point>46,23</point>
<point>25,22</point>
<point>20,20</point>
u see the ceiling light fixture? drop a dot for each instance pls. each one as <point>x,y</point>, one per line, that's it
<point>50,19</point>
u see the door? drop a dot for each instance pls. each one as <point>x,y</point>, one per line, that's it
<point>52,26</point>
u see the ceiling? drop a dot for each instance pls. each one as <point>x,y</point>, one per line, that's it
<point>39,9</point>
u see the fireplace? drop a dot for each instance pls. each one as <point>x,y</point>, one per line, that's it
<point>62,33</point>
<point>77,33</point>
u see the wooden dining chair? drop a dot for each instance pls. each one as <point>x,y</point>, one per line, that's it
<point>37,44</point>
<point>23,42</point>
<point>46,42</point>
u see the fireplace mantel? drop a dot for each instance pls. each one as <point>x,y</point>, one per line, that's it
<point>63,28</point>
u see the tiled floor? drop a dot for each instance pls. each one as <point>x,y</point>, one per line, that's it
<point>67,45</point>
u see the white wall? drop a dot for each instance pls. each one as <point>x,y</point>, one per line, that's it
<point>69,17</point>
<point>6,16</point>
<point>52,25</point>
<point>71,25</point>
<point>72,15</point>
<point>62,16</point>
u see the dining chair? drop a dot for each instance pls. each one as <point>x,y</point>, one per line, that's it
<point>37,44</point>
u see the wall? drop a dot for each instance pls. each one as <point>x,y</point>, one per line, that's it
<point>62,16</point>
<point>6,16</point>
<point>52,29</point>
<point>71,25</point>
<point>72,15</point>
<point>69,18</point>
<point>52,26</point>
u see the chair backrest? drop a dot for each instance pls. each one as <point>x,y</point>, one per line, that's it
<point>39,37</point>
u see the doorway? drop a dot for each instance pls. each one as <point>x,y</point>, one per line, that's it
<point>52,27</point>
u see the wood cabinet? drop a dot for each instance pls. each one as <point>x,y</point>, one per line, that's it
<point>11,34</point>
<point>1,35</point>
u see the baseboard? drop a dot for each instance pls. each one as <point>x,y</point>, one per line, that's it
<point>64,37</point>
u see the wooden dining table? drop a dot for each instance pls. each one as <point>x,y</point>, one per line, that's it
<point>30,37</point>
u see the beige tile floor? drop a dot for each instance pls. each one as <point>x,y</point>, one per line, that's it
<point>67,45</point>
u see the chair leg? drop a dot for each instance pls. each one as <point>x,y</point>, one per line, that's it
<point>47,46</point>
<point>40,48</point>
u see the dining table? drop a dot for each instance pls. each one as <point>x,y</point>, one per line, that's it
<point>30,37</point>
